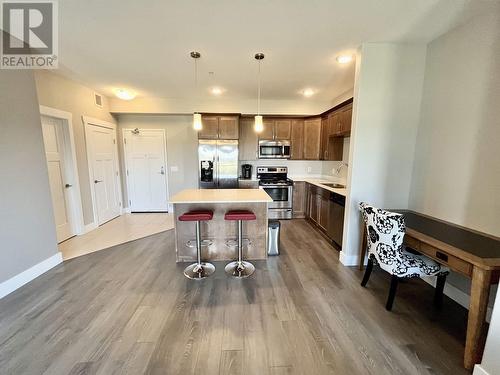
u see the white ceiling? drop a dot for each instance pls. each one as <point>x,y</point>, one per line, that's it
<point>145,45</point>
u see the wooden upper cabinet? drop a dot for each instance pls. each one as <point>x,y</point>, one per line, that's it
<point>248,140</point>
<point>324,138</point>
<point>219,127</point>
<point>228,127</point>
<point>282,129</point>
<point>297,140</point>
<point>346,119</point>
<point>268,132</point>
<point>210,127</point>
<point>312,138</point>
<point>276,129</point>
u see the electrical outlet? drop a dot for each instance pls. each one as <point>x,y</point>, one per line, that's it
<point>309,169</point>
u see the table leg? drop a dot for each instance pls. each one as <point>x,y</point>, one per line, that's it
<point>480,291</point>
<point>362,250</point>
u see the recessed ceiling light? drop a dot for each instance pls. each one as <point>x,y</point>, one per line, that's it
<point>125,94</point>
<point>344,59</point>
<point>216,90</point>
<point>308,93</point>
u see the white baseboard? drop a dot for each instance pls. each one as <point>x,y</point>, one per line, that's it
<point>478,370</point>
<point>348,260</point>
<point>25,277</point>
<point>90,227</point>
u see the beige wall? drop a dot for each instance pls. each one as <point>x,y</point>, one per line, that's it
<point>64,94</point>
<point>27,229</point>
<point>386,112</point>
<point>182,148</point>
<point>456,174</point>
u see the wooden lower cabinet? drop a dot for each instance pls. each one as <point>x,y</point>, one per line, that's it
<point>324,210</point>
<point>248,184</point>
<point>299,200</point>
<point>320,211</point>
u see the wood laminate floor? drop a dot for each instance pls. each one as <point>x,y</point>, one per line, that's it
<point>129,310</point>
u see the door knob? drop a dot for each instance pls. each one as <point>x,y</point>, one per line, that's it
<point>96,181</point>
<point>162,171</point>
<point>68,186</point>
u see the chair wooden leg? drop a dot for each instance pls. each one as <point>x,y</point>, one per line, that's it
<point>392,292</point>
<point>438,294</point>
<point>368,271</point>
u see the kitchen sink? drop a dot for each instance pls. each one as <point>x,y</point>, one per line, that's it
<point>335,186</point>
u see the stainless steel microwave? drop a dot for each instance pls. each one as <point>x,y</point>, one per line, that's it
<point>274,149</point>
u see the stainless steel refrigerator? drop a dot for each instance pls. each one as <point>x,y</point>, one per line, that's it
<point>218,164</point>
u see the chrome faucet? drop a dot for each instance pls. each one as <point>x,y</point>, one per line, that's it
<point>339,168</point>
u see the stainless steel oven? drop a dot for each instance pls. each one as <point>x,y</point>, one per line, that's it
<point>274,181</point>
<point>274,149</point>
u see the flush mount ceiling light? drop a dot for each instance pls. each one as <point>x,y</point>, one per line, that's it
<point>124,94</point>
<point>196,116</point>
<point>344,59</point>
<point>308,92</point>
<point>216,90</point>
<point>259,125</point>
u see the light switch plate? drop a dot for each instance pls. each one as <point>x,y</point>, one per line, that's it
<point>174,168</point>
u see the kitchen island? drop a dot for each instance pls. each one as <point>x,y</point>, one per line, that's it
<point>218,230</point>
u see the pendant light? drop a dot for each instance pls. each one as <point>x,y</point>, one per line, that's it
<point>196,116</point>
<point>259,125</point>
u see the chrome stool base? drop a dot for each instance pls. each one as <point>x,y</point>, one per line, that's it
<point>199,271</point>
<point>239,269</point>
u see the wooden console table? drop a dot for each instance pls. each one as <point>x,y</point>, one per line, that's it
<point>471,253</point>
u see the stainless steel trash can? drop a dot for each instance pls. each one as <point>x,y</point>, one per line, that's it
<point>273,238</point>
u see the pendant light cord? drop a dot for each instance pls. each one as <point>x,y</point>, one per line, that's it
<point>196,79</point>
<point>258,92</point>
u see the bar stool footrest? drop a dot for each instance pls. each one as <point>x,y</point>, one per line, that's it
<point>234,242</point>
<point>192,243</point>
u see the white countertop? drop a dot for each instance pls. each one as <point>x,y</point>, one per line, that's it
<point>319,182</point>
<point>221,196</point>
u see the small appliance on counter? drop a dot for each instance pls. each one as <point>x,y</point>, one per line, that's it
<point>246,171</point>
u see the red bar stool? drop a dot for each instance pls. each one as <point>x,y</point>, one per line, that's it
<point>198,270</point>
<point>239,268</point>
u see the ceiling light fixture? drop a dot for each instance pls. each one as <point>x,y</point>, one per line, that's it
<point>344,59</point>
<point>124,94</point>
<point>308,93</point>
<point>216,90</point>
<point>196,116</point>
<point>259,125</point>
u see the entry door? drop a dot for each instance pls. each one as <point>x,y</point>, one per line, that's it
<point>105,172</point>
<point>146,170</point>
<point>53,139</point>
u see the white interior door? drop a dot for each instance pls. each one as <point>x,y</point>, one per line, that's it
<point>146,170</point>
<point>53,139</point>
<point>105,173</point>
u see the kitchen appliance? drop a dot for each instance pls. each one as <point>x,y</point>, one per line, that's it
<point>273,238</point>
<point>246,171</point>
<point>269,149</point>
<point>274,181</point>
<point>218,164</point>
<point>336,210</point>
